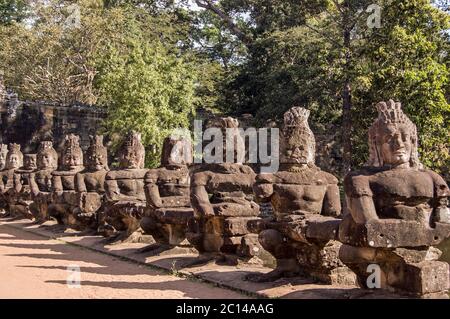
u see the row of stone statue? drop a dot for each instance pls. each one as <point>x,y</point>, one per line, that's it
<point>396,210</point>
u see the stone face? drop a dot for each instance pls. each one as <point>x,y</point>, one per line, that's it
<point>397,210</point>
<point>302,234</point>
<point>124,190</point>
<point>89,184</point>
<point>64,196</point>
<point>222,196</point>
<point>167,192</point>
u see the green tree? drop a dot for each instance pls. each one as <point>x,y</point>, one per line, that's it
<point>147,89</point>
<point>12,11</point>
<point>328,57</point>
<point>409,62</point>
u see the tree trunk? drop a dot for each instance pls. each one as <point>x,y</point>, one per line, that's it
<point>346,96</point>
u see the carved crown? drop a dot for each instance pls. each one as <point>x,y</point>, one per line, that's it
<point>14,148</point>
<point>133,139</point>
<point>45,145</point>
<point>391,113</point>
<point>96,140</point>
<point>72,139</point>
<point>296,116</point>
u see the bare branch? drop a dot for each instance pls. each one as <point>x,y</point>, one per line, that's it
<point>209,5</point>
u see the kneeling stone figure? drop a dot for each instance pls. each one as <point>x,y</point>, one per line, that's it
<point>398,212</point>
<point>302,234</point>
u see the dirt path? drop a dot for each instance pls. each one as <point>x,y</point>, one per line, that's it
<point>35,267</point>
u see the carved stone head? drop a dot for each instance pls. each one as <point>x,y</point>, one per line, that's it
<point>29,162</point>
<point>72,155</point>
<point>3,154</point>
<point>97,154</point>
<point>231,142</point>
<point>47,157</point>
<point>177,150</point>
<point>393,138</point>
<point>297,142</point>
<point>14,158</point>
<point>132,152</point>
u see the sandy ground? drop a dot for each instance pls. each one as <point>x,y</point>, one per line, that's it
<point>35,267</point>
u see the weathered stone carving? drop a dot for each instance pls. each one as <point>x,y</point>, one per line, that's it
<point>3,202</point>
<point>19,196</point>
<point>125,197</point>
<point>397,211</point>
<point>64,196</point>
<point>167,192</point>
<point>89,184</point>
<point>40,181</point>
<point>13,161</point>
<point>222,199</point>
<point>3,154</point>
<point>301,235</point>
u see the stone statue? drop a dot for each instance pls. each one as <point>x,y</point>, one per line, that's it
<point>3,154</point>
<point>301,234</point>
<point>64,197</point>
<point>167,192</point>
<point>398,210</point>
<point>13,161</point>
<point>40,181</point>
<point>19,196</point>
<point>222,199</point>
<point>125,197</point>
<point>89,184</point>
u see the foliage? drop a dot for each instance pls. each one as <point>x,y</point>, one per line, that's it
<point>146,89</point>
<point>12,11</point>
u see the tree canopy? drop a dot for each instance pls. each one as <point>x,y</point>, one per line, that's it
<point>152,63</point>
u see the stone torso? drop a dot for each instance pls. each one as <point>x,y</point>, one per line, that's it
<point>300,192</point>
<point>400,193</point>
<point>130,182</point>
<point>43,180</point>
<point>173,182</point>
<point>67,180</point>
<point>232,183</point>
<point>94,181</point>
<point>7,178</point>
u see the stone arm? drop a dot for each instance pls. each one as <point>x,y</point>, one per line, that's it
<point>441,212</point>
<point>332,201</point>
<point>17,183</point>
<point>2,185</point>
<point>57,185</point>
<point>153,196</point>
<point>80,185</point>
<point>200,201</point>
<point>112,192</point>
<point>358,196</point>
<point>33,185</point>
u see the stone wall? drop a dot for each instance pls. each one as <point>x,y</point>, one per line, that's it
<point>28,123</point>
